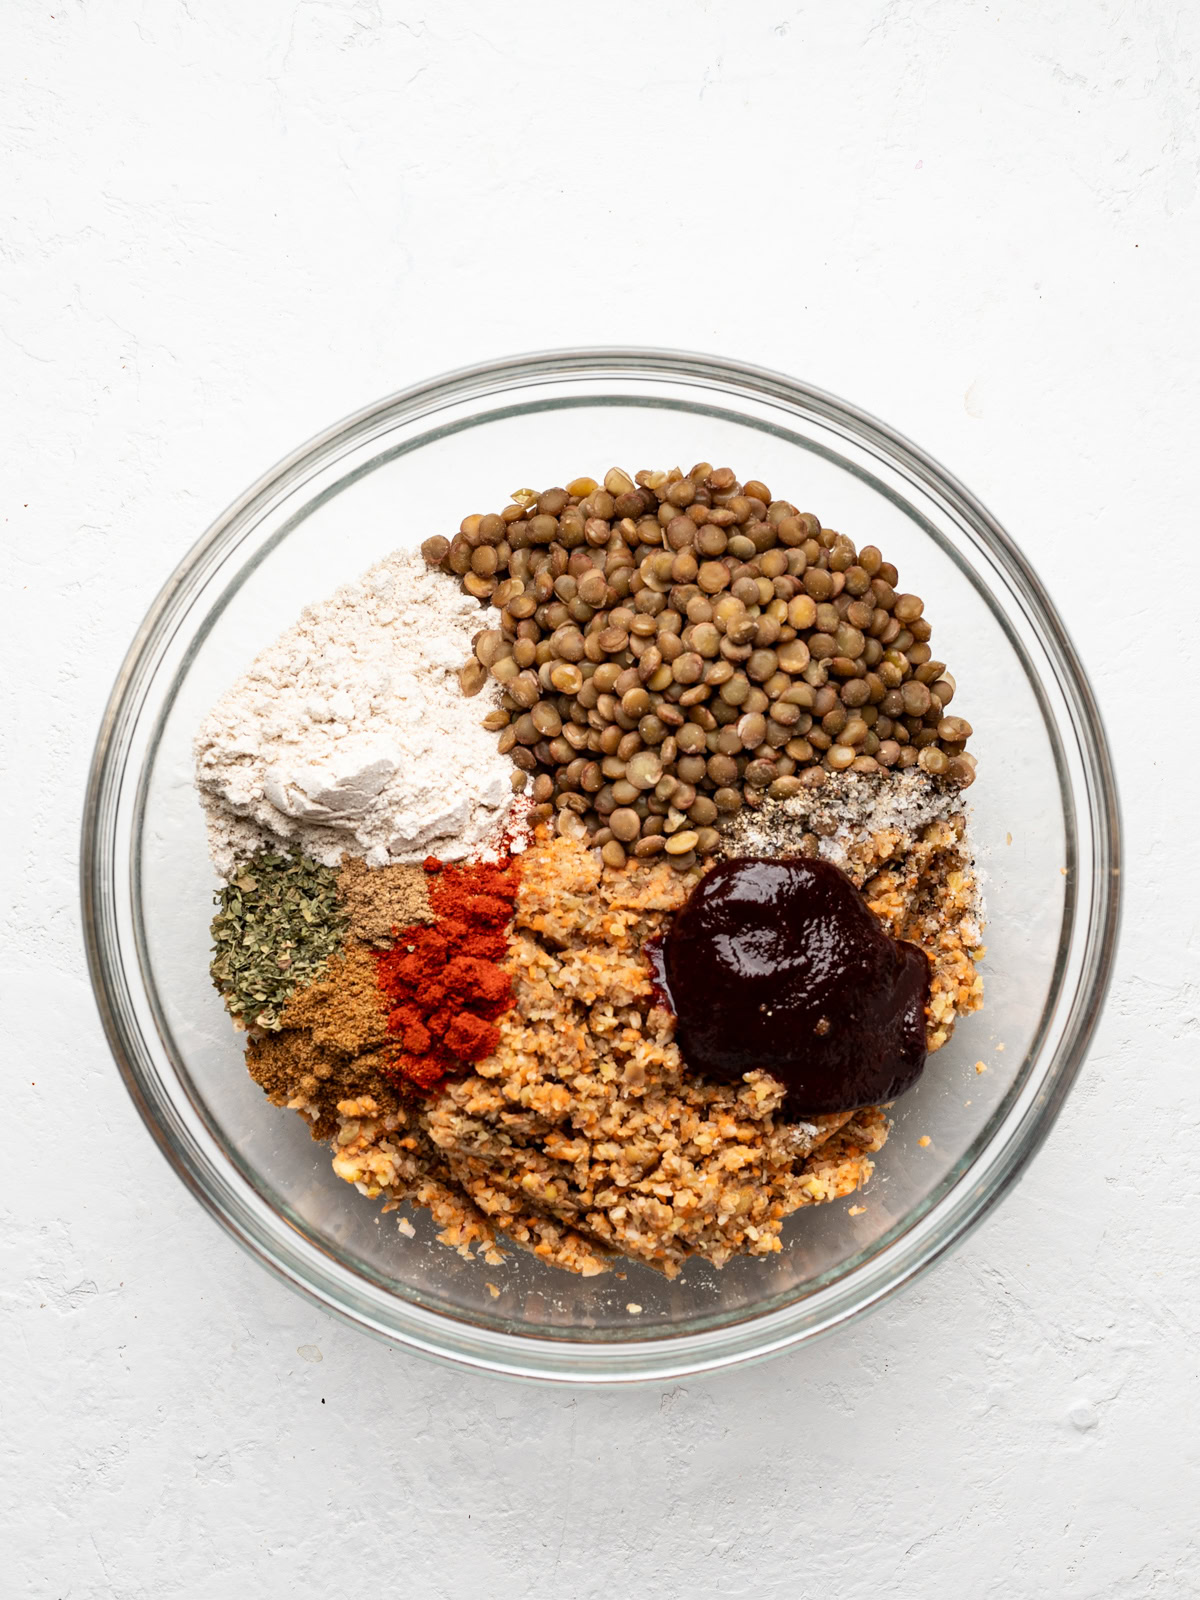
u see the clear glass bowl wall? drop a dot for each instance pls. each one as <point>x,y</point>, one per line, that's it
<point>1044,823</point>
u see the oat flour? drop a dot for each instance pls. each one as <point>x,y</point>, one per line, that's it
<point>350,734</point>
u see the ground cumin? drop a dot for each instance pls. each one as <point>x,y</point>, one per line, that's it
<point>332,1043</point>
<point>378,900</point>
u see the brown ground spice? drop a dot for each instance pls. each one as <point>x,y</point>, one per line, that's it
<point>332,1042</point>
<point>380,899</point>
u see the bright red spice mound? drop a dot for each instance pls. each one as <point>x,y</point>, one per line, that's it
<point>443,982</point>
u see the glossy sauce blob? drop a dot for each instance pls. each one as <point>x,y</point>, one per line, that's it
<point>779,965</point>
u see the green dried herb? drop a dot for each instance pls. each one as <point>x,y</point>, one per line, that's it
<point>279,922</point>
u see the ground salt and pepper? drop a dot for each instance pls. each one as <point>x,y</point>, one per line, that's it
<point>350,735</point>
<point>837,818</point>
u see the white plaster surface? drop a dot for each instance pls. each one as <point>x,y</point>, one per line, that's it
<point>226,224</point>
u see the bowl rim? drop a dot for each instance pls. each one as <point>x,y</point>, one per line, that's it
<point>458,1341</point>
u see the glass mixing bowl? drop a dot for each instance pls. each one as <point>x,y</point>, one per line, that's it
<point>1045,827</point>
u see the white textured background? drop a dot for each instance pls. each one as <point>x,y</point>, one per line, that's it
<point>225,223</point>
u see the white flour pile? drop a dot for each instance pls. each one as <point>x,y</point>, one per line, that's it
<point>350,734</point>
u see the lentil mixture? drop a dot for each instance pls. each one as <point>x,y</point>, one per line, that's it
<point>379,900</point>
<point>688,671</point>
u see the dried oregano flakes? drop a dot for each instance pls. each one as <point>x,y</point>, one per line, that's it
<point>279,921</point>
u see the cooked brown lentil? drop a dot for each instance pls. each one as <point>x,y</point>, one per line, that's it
<point>672,647</point>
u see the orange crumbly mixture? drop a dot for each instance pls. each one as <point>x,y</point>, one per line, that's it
<point>584,1137</point>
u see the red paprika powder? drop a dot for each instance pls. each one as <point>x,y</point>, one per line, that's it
<point>443,983</point>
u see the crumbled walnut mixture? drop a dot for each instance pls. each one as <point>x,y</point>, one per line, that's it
<point>584,1136</point>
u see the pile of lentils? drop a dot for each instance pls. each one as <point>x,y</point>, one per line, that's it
<point>673,647</point>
